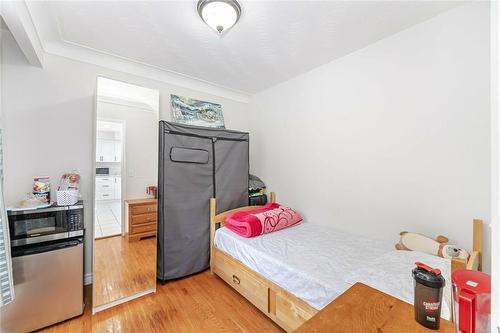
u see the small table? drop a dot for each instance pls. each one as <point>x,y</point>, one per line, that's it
<point>364,309</point>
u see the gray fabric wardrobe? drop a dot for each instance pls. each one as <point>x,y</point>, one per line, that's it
<point>195,164</point>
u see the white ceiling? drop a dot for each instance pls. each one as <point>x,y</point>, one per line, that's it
<point>273,41</point>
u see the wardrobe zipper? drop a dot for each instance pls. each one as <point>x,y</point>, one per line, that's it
<point>213,167</point>
<point>160,200</point>
<point>204,137</point>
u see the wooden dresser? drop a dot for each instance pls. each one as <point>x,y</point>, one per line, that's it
<point>362,309</point>
<point>141,218</point>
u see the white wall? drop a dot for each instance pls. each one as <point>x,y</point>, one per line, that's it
<point>141,146</point>
<point>495,154</point>
<point>392,137</point>
<point>49,120</point>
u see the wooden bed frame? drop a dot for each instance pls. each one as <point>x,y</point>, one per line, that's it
<point>282,307</point>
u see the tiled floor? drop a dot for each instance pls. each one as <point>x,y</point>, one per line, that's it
<point>108,220</point>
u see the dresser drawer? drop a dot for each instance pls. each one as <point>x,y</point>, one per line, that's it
<point>104,195</point>
<point>138,229</point>
<point>104,186</point>
<point>244,281</point>
<point>143,218</point>
<point>143,209</point>
<point>101,180</point>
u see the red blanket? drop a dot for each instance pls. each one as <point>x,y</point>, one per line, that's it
<point>262,220</point>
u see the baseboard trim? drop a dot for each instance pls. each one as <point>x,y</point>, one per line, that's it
<point>122,300</point>
<point>87,279</point>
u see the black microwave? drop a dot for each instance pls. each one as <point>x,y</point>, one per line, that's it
<point>46,224</point>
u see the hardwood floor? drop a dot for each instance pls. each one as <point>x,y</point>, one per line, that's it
<point>199,303</point>
<point>123,268</point>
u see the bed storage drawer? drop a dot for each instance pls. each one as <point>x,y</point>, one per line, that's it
<point>243,280</point>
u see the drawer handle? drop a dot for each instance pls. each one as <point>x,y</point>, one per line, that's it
<point>236,279</point>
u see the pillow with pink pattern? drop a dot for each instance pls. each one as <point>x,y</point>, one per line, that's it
<point>262,220</point>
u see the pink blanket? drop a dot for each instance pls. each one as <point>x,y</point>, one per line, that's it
<point>262,220</point>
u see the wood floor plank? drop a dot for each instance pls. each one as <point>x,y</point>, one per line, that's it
<point>123,268</point>
<point>199,303</point>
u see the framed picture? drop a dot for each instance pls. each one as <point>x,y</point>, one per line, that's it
<point>191,111</point>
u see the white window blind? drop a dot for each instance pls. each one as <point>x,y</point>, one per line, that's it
<point>6,282</point>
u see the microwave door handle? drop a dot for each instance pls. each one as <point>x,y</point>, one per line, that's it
<point>39,239</point>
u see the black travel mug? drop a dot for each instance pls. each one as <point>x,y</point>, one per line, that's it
<point>429,285</point>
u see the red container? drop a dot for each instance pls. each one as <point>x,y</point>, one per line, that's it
<point>152,190</point>
<point>471,301</point>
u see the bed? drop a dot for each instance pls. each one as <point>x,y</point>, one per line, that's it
<point>289,277</point>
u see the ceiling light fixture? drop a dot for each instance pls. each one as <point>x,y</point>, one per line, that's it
<point>219,15</point>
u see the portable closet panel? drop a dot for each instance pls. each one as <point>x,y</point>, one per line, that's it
<point>195,164</point>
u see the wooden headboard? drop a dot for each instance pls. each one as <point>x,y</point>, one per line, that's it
<point>218,219</point>
<point>474,261</point>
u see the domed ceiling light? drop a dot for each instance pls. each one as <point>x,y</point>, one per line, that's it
<point>219,15</point>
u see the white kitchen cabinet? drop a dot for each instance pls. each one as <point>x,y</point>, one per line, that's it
<point>98,151</point>
<point>108,150</point>
<point>104,196</point>
<point>108,188</point>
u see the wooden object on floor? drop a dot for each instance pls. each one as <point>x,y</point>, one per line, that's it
<point>122,268</point>
<point>285,309</point>
<point>364,309</point>
<point>141,218</point>
<point>198,303</point>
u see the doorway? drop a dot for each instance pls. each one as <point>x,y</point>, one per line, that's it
<point>108,178</point>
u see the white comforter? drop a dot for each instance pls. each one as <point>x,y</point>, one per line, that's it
<point>318,263</point>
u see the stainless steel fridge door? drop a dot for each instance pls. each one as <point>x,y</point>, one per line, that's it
<point>48,289</point>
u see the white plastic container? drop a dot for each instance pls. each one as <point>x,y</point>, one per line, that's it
<point>67,197</point>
